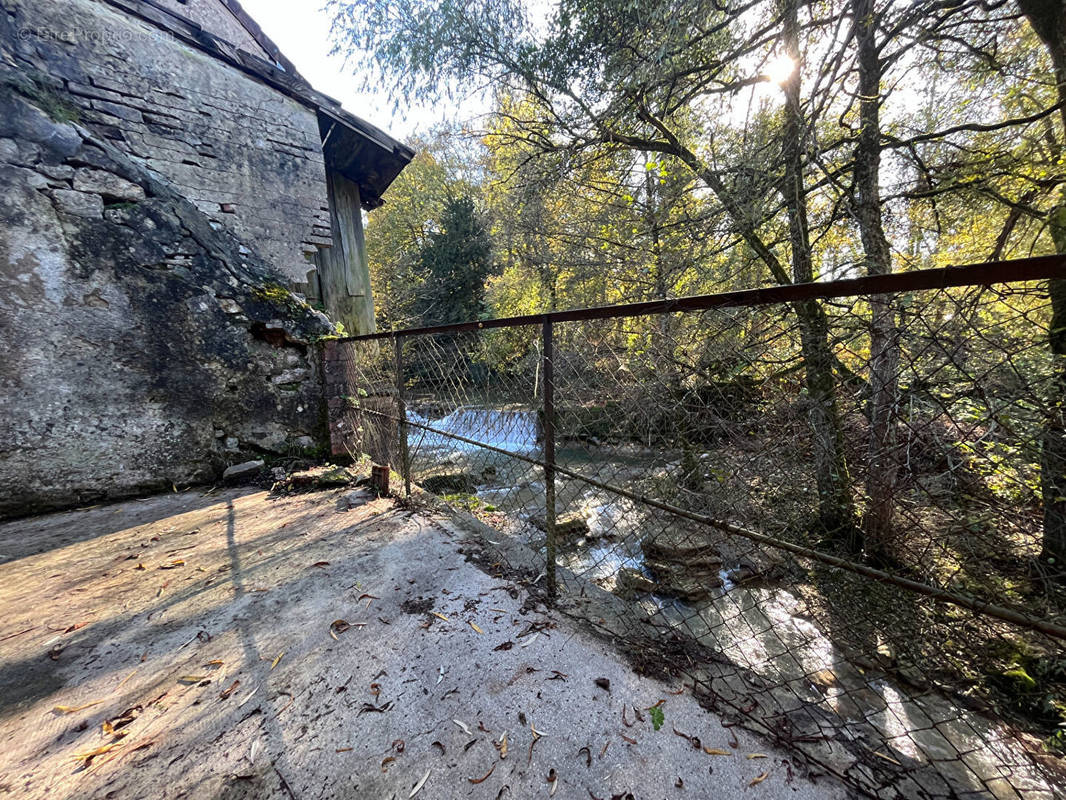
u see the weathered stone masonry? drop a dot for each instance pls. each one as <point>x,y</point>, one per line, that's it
<point>161,191</point>
<point>142,347</point>
<point>247,155</point>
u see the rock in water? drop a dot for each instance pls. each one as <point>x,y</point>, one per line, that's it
<point>453,483</point>
<point>630,582</point>
<point>569,526</point>
<point>243,470</point>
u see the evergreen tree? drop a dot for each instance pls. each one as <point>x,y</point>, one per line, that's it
<point>455,260</point>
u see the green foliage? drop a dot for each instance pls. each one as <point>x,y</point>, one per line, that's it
<point>455,261</point>
<point>657,716</point>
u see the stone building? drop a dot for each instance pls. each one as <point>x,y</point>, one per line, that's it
<point>180,224</point>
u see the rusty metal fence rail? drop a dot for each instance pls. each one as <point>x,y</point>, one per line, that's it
<point>835,509</point>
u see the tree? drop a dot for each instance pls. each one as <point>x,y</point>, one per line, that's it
<point>1048,19</point>
<point>621,76</point>
<point>455,261</point>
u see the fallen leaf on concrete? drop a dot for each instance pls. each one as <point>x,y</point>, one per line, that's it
<point>588,756</point>
<point>476,628</point>
<point>227,692</point>
<point>504,646</point>
<point>248,697</point>
<point>603,683</point>
<point>500,610</point>
<point>420,784</point>
<point>343,750</point>
<point>89,755</point>
<point>257,745</point>
<point>73,709</point>
<point>714,751</point>
<point>692,740</point>
<point>439,616</point>
<point>757,755</point>
<point>320,564</point>
<point>178,562</point>
<point>377,709</point>
<point>367,594</point>
<point>338,626</point>
<point>277,658</point>
<point>463,725</point>
<point>375,689</point>
<point>441,746</point>
<point>625,721</point>
<point>530,640</point>
<point>192,678</point>
<point>759,779</point>
<point>385,763</point>
<point>553,779</point>
<point>484,777</point>
<point>502,746</point>
<point>558,676</point>
<point>631,741</point>
<point>215,663</point>
<point>109,730</point>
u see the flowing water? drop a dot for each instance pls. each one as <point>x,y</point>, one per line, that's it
<point>762,629</point>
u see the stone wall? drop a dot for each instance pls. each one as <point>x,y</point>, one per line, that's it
<point>249,157</point>
<point>216,18</point>
<point>144,347</point>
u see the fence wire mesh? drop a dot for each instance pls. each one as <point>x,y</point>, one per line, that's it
<point>865,574</point>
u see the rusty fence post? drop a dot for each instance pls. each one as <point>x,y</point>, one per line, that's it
<point>549,455</point>
<point>401,427</point>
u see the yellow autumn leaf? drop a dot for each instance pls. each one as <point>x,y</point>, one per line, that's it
<point>73,709</point>
<point>274,663</point>
<point>99,751</point>
<point>714,751</point>
<point>759,779</point>
<point>476,628</point>
<point>441,616</point>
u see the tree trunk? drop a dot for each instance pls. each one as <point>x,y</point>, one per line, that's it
<point>881,456</point>
<point>1053,440</point>
<point>1048,19</point>
<point>836,511</point>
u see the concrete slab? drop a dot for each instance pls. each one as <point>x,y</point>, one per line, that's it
<point>189,641</point>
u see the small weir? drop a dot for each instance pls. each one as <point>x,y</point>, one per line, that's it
<point>762,626</point>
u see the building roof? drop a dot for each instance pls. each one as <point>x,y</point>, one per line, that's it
<point>361,152</point>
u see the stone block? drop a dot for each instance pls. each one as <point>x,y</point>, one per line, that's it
<point>79,204</point>
<point>107,184</point>
<point>243,470</point>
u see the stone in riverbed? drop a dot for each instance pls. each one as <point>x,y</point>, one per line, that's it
<point>452,483</point>
<point>570,526</point>
<point>630,582</point>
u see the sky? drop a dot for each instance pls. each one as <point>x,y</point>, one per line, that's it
<point>301,30</point>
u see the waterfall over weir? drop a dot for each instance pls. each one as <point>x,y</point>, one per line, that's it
<point>515,431</point>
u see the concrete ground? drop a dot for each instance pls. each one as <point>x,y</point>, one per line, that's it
<point>191,645</point>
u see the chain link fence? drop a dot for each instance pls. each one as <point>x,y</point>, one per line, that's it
<point>831,507</point>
